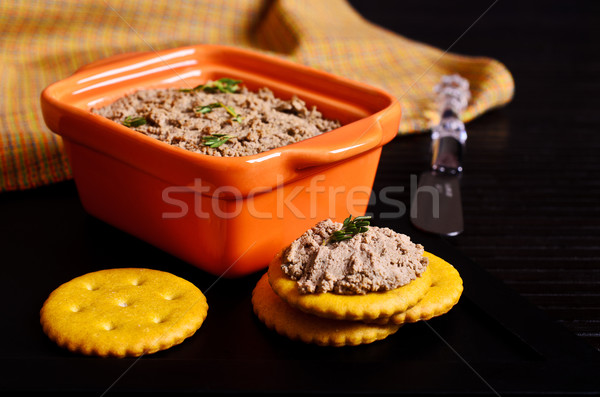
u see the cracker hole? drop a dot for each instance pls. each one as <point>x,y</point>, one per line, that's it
<point>171,297</point>
<point>108,326</point>
<point>123,304</point>
<point>75,309</point>
<point>159,320</point>
<point>137,283</point>
<point>90,287</point>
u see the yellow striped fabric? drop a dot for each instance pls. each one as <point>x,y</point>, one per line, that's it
<point>44,41</point>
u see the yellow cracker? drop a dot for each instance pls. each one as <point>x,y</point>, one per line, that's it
<point>123,312</point>
<point>296,325</point>
<point>444,293</point>
<point>348,307</point>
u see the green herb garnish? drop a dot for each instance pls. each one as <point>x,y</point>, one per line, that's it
<point>215,140</point>
<point>234,115</point>
<point>132,121</point>
<point>350,228</point>
<point>222,85</point>
<point>208,108</point>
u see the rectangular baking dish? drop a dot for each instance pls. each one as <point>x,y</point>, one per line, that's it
<point>225,215</point>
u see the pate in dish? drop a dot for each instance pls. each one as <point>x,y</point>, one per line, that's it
<point>219,118</point>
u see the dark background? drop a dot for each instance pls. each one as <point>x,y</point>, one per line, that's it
<point>531,186</point>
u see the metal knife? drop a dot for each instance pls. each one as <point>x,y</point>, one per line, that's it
<point>436,205</point>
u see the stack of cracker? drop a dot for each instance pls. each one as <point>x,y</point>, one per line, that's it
<point>329,319</point>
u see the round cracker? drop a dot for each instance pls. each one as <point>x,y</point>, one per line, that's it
<point>369,306</point>
<point>445,291</point>
<point>297,325</point>
<point>123,312</point>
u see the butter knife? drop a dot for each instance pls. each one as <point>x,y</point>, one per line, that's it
<point>436,205</point>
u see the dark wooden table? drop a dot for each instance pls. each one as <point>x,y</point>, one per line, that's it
<point>531,186</point>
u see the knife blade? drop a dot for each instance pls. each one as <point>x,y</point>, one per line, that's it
<point>436,205</point>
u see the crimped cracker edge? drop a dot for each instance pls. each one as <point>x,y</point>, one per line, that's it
<point>445,276</point>
<point>277,323</point>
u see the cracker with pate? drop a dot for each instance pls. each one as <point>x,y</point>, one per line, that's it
<point>369,274</point>
<point>362,307</point>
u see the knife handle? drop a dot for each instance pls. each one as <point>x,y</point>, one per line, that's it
<point>448,138</point>
<point>448,142</point>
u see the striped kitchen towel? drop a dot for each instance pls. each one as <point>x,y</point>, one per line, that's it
<point>44,41</point>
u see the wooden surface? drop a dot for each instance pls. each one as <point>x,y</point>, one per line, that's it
<point>531,186</point>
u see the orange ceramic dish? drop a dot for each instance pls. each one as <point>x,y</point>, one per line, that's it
<point>225,215</point>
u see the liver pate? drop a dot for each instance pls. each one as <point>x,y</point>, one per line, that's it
<point>377,260</point>
<point>173,116</point>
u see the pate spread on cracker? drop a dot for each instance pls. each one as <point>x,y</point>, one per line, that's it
<point>363,307</point>
<point>377,260</point>
<point>336,277</point>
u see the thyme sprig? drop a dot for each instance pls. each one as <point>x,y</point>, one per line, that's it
<point>133,121</point>
<point>225,84</point>
<point>209,108</point>
<point>350,228</point>
<point>215,140</point>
